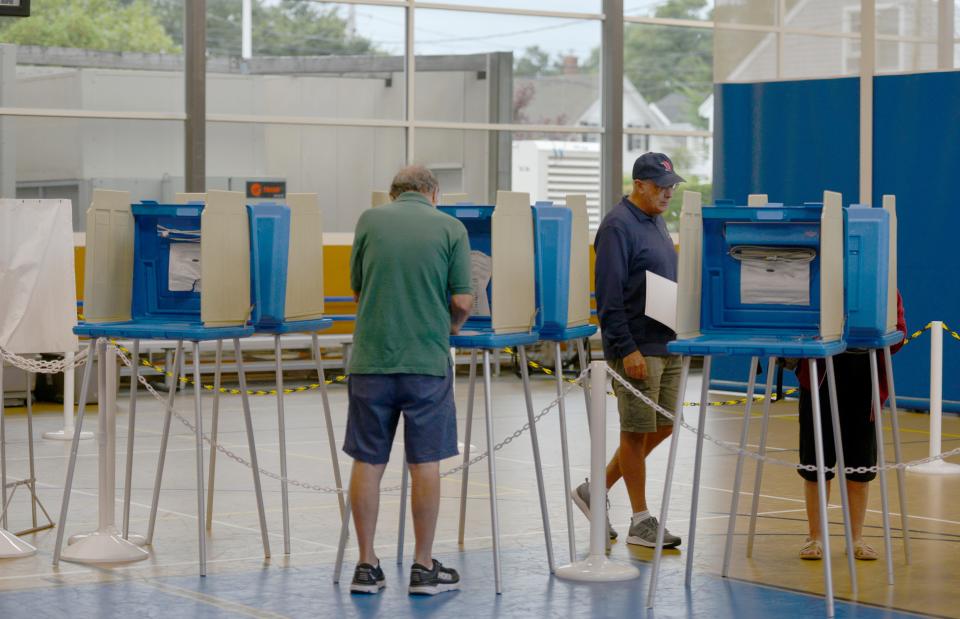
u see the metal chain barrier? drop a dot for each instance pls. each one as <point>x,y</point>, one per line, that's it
<point>38,366</point>
<point>327,489</point>
<point>756,456</point>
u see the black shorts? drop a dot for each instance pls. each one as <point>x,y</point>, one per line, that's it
<point>854,398</point>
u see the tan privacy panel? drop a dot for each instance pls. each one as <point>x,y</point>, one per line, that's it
<point>890,206</point>
<point>756,199</point>
<point>379,198</point>
<point>578,303</point>
<point>224,260</point>
<point>513,303</point>
<point>305,258</point>
<point>185,198</point>
<point>454,198</point>
<point>689,275</point>
<point>831,267</point>
<point>108,266</point>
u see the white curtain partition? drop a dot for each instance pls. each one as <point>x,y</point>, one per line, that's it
<point>37,285</point>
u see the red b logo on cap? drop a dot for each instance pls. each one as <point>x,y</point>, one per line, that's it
<point>666,165</point>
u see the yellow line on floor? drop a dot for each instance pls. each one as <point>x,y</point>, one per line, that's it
<point>227,605</point>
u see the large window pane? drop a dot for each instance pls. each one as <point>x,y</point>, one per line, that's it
<point>69,158</point>
<point>741,56</point>
<point>813,57</point>
<point>691,9</point>
<point>309,59</point>
<point>577,6</point>
<point>668,77</point>
<point>480,67</point>
<point>342,164</point>
<point>824,15</point>
<point>129,58</point>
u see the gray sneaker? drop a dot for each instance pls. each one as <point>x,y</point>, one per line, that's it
<point>581,496</point>
<point>644,533</point>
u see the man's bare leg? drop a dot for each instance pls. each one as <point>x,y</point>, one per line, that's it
<point>425,500</point>
<point>633,452</point>
<point>613,469</point>
<point>365,499</point>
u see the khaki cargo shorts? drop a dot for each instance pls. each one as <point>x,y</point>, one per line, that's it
<point>660,385</point>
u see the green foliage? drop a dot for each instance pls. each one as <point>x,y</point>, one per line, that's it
<point>286,28</point>
<point>660,60</point>
<point>109,25</point>
<point>537,62</point>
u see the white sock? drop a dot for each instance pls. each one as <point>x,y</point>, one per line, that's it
<point>641,516</point>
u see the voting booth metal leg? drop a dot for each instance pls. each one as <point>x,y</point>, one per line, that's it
<point>198,433</point>
<point>738,475</point>
<point>538,465</point>
<point>465,474</point>
<point>492,470</point>
<point>214,428</point>
<point>164,439</point>
<point>328,420</point>
<point>841,473</point>
<point>668,480</point>
<point>821,489</point>
<point>282,430</point>
<point>342,544</point>
<point>901,474</point>
<point>596,567</point>
<point>139,540</point>
<point>11,546</point>
<point>404,483</point>
<point>74,445</point>
<point>106,545</point>
<point>697,465</point>
<point>881,460</point>
<point>251,446</point>
<point>762,451</point>
<point>565,452</point>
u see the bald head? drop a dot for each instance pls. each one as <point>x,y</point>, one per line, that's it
<point>414,178</point>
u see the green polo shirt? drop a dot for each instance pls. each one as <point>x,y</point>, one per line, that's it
<point>407,259</point>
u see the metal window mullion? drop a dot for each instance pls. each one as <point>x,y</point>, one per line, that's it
<point>945,26</point>
<point>409,79</point>
<point>195,91</point>
<point>477,8</point>
<point>781,36</point>
<point>868,59</point>
<point>611,103</point>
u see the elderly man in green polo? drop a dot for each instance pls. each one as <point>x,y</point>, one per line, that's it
<point>410,274</point>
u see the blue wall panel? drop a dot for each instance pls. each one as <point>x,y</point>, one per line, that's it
<point>793,140</point>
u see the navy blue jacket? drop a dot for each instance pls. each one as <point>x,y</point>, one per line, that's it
<point>628,243</point>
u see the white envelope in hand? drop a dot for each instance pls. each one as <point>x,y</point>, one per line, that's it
<point>661,300</point>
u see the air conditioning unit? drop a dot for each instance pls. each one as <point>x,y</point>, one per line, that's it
<point>549,170</point>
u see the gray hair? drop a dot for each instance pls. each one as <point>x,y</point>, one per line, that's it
<point>413,178</point>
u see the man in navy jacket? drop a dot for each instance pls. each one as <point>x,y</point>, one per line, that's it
<point>632,240</point>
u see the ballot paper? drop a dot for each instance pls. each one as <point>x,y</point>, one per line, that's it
<point>184,270</point>
<point>481,268</point>
<point>661,300</point>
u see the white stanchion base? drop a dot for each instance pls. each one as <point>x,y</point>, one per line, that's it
<point>12,547</point>
<point>66,435</point>
<point>597,569</point>
<point>937,467</point>
<point>105,546</point>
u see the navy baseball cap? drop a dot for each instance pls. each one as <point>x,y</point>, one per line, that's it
<point>656,167</point>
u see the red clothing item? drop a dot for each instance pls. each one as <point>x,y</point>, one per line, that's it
<point>804,376</point>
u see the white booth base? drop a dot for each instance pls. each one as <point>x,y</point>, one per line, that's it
<point>937,467</point>
<point>136,540</point>
<point>12,547</point>
<point>597,569</point>
<point>105,546</point>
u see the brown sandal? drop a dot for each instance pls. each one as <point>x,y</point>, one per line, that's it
<point>812,550</point>
<point>864,551</point>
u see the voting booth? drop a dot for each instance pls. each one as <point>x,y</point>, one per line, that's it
<point>765,280</point>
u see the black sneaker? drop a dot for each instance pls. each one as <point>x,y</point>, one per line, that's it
<point>425,581</point>
<point>368,579</point>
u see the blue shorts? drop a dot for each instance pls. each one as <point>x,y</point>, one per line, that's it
<point>429,417</point>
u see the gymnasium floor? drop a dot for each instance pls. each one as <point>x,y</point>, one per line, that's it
<point>241,583</point>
